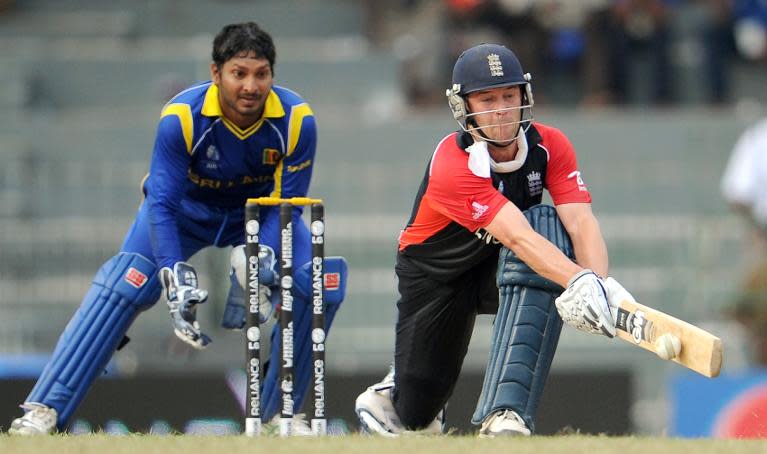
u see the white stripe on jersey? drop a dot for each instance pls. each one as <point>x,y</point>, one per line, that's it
<point>434,155</point>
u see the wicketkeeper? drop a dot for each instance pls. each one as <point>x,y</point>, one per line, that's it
<point>480,196</point>
<point>218,143</point>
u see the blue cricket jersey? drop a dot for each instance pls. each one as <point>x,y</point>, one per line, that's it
<point>203,165</point>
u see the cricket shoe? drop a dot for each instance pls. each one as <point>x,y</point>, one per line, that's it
<point>299,426</point>
<point>39,419</point>
<point>503,423</point>
<point>377,415</point>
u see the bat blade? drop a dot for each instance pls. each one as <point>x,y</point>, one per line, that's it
<point>641,325</point>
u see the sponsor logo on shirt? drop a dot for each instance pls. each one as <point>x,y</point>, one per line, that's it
<point>224,184</point>
<point>300,166</point>
<point>578,179</point>
<point>485,236</point>
<point>534,183</point>
<point>477,210</point>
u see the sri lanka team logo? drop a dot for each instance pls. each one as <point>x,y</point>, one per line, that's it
<point>271,156</point>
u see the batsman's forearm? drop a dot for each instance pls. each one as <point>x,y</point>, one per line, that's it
<point>590,248</point>
<point>543,257</point>
<point>510,227</point>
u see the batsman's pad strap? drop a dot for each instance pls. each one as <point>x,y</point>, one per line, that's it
<point>526,329</point>
<point>335,276</point>
<point>124,286</point>
<point>512,271</point>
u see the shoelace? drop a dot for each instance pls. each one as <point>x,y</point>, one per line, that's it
<point>35,410</point>
<point>514,416</point>
<point>510,414</point>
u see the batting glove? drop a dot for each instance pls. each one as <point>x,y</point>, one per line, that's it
<point>616,294</point>
<point>584,305</point>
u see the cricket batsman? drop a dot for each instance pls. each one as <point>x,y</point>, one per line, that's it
<point>477,226</point>
<point>218,143</point>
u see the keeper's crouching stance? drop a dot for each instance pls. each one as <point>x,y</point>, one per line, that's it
<point>470,203</point>
<point>218,144</point>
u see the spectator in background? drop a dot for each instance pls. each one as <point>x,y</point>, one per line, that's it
<point>717,45</point>
<point>743,188</point>
<point>570,66</point>
<point>750,28</point>
<point>732,28</point>
<point>620,32</point>
<point>6,5</point>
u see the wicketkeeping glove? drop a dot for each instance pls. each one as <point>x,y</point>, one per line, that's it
<point>234,311</point>
<point>183,296</point>
<point>584,305</point>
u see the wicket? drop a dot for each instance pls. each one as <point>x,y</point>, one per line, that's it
<point>253,420</point>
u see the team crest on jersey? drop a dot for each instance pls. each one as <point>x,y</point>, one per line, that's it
<point>494,62</point>
<point>534,183</point>
<point>212,156</point>
<point>271,156</point>
<point>212,153</point>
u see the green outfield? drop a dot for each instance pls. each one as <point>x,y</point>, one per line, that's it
<point>370,445</point>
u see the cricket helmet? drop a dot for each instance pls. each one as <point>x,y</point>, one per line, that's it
<point>484,67</point>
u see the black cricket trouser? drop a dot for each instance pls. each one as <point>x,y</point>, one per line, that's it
<point>434,326</point>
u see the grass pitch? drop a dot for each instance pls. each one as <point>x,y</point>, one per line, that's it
<point>571,444</point>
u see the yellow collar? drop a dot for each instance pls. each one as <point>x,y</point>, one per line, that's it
<point>212,108</point>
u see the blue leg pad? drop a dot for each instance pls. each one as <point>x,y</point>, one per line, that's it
<point>526,329</point>
<point>336,271</point>
<point>124,286</point>
<point>335,274</point>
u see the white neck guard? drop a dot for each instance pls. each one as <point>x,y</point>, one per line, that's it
<point>519,159</point>
<point>481,163</point>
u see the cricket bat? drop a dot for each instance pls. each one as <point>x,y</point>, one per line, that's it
<point>640,325</point>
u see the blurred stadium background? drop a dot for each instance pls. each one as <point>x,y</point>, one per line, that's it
<point>83,85</point>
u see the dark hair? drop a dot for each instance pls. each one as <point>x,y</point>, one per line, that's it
<point>234,39</point>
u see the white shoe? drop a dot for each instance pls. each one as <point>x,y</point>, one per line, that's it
<point>299,426</point>
<point>39,419</point>
<point>503,423</point>
<point>378,416</point>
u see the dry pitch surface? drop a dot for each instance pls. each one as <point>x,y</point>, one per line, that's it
<point>571,444</point>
